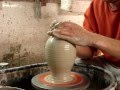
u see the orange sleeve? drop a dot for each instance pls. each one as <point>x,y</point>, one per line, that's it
<point>90,23</point>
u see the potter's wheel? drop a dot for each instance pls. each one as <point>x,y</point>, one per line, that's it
<point>44,81</point>
<point>88,78</point>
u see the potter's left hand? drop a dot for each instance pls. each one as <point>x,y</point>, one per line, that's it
<point>73,33</point>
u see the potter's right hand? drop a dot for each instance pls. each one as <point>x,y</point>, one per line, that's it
<point>73,33</point>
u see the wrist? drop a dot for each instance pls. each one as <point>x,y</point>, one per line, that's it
<point>93,39</point>
<point>98,41</point>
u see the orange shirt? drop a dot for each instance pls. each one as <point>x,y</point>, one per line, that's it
<point>100,19</point>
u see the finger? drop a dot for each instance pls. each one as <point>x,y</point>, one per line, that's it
<point>67,24</point>
<point>64,24</point>
<point>71,25</point>
<point>66,38</point>
<point>56,33</point>
<point>50,33</point>
<point>60,36</point>
<point>64,31</point>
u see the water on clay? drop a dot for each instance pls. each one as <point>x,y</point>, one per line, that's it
<point>98,78</point>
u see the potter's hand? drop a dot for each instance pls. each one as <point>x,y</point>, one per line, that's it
<point>73,33</point>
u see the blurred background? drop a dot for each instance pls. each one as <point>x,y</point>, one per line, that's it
<point>24,25</point>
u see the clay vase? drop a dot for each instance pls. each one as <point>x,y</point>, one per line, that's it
<point>60,56</point>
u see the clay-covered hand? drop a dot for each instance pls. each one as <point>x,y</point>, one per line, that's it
<point>73,33</point>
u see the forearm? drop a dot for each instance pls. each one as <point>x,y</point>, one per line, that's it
<point>85,52</point>
<point>109,45</point>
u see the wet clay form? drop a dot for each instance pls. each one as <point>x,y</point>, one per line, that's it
<point>60,56</point>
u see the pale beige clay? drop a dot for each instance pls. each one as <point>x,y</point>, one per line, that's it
<point>60,56</point>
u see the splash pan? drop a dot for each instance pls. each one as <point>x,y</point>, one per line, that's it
<point>9,88</point>
<point>86,77</point>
